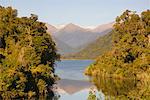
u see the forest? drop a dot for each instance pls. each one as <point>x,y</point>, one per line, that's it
<point>123,73</point>
<point>130,55</point>
<point>27,57</point>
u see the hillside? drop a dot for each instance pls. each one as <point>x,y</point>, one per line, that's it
<point>72,38</point>
<point>94,49</point>
<point>63,47</point>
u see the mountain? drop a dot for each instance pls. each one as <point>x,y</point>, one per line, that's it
<point>51,29</point>
<point>72,38</point>
<point>104,27</point>
<point>63,48</point>
<point>71,28</point>
<point>94,49</point>
<point>75,36</point>
<point>60,45</point>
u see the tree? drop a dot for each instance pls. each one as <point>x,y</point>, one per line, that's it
<point>129,60</point>
<point>130,55</point>
<point>28,55</point>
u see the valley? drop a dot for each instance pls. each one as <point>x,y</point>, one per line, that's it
<point>71,40</point>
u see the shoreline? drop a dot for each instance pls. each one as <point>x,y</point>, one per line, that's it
<point>75,59</point>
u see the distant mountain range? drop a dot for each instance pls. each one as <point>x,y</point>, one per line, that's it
<point>94,49</point>
<point>72,38</point>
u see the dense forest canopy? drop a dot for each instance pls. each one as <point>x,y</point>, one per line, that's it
<point>27,56</point>
<point>130,55</point>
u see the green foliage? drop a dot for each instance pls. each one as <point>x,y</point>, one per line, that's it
<point>28,55</point>
<point>91,96</point>
<point>130,55</point>
<point>124,89</point>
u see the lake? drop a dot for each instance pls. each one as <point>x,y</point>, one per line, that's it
<point>73,84</point>
<point>72,69</point>
<point>76,86</point>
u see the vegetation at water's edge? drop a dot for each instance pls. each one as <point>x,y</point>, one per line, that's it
<point>125,89</point>
<point>27,56</point>
<point>130,55</point>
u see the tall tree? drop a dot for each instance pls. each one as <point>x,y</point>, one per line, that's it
<point>28,55</point>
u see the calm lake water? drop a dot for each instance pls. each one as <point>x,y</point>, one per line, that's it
<point>73,84</point>
<point>72,69</point>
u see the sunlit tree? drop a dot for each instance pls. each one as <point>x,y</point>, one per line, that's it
<point>28,55</point>
<point>130,55</point>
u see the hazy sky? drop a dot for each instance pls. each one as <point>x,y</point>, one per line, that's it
<point>81,12</point>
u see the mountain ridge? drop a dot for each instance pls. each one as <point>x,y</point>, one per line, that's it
<point>75,36</point>
<point>94,49</point>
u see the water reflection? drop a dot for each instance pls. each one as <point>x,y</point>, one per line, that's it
<point>73,84</point>
<point>73,89</point>
<point>123,89</point>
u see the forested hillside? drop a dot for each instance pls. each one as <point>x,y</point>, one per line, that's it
<point>27,57</point>
<point>94,49</point>
<point>130,55</point>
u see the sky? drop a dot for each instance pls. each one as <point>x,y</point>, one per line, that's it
<point>80,12</point>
